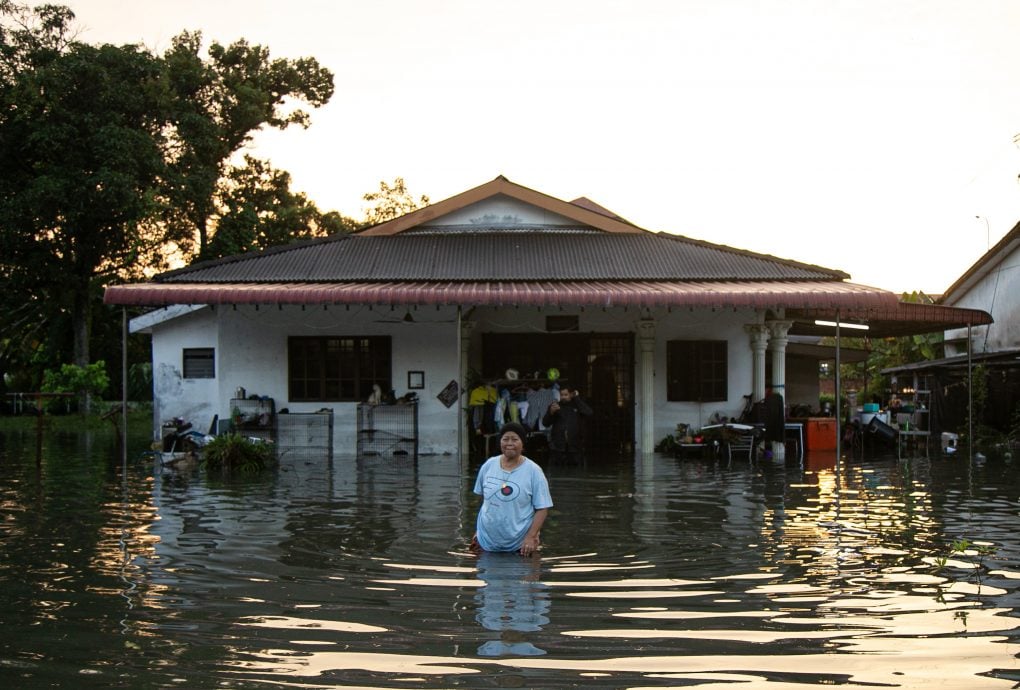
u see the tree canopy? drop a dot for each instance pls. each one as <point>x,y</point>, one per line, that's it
<point>82,153</point>
<point>217,104</point>
<point>115,157</point>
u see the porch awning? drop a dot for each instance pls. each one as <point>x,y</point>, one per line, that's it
<point>802,301</point>
<point>763,294</point>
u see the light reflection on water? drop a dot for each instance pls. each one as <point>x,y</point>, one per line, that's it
<point>356,573</point>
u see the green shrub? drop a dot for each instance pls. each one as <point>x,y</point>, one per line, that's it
<point>230,452</point>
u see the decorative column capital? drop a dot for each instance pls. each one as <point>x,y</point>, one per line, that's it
<point>759,333</point>
<point>779,329</point>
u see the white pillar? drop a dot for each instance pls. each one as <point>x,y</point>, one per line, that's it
<point>646,346</point>
<point>759,343</point>
<point>778,341</point>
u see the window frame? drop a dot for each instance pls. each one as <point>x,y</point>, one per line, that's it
<point>697,371</point>
<point>338,368</point>
<point>192,356</point>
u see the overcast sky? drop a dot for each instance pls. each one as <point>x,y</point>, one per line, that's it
<point>875,137</point>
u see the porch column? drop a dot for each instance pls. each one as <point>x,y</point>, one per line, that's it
<point>777,343</point>
<point>759,333</point>
<point>646,344</point>
<point>467,329</point>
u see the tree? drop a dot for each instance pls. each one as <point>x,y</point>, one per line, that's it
<point>257,210</point>
<point>218,104</point>
<point>82,153</point>
<point>112,158</point>
<point>391,201</point>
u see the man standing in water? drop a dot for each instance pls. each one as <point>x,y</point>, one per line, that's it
<point>564,422</point>
<point>515,498</point>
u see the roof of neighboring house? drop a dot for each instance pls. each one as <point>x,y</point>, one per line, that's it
<point>1002,358</point>
<point>561,253</point>
<point>982,267</point>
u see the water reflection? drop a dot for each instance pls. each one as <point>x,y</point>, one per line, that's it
<point>512,601</point>
<point>355,573</point>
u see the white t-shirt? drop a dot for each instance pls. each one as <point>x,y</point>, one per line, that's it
<point>509,501</point>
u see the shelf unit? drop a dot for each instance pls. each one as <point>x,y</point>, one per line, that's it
<point>253,417</point>
<point>919,395</point>
<point>388,429</point>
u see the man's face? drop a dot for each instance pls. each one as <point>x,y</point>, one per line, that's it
<point>566,395</point>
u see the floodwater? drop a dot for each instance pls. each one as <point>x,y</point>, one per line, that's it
<point>355,574</point>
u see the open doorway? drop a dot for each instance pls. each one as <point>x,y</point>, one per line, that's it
<point>599,365</point>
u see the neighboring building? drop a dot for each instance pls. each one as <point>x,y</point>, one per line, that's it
<point>654,328</point>
<point>992,285</point>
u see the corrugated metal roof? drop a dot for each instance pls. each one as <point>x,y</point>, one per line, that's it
<point>498,256</point>
<point>599,260</point>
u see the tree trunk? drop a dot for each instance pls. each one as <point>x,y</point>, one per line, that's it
<point>81,323</point>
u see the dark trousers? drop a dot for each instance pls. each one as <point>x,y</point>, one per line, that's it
<point>566,457</point>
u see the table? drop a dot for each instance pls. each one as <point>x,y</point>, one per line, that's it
<point>799,428</point>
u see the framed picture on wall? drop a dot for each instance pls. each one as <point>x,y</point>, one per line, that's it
<point>416,380</point>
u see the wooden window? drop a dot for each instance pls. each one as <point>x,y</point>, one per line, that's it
<point>696,371</point>
<point>199,363</point>
<point>341,369</point>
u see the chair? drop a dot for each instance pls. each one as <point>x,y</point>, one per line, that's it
<point>741,442</point>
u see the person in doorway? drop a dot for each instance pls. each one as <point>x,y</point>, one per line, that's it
<point>563,419</point>
<point>515,498</point>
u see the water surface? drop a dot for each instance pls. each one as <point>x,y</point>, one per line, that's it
<point>355,573</point>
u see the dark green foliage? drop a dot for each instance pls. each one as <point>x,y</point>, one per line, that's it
<point>114,159</point>
<point>391,201</point>
<point>233,452</point>
<point>82,154</point>
<point>218,104</point>
<point>257,210</point>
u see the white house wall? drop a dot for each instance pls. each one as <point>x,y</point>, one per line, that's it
<point>702,324</point>
<point>998,293</point>
<point>173,396</point>
<point>251,352</point>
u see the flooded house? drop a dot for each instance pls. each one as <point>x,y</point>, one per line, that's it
<point>409,334</point>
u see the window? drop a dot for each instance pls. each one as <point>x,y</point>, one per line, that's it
<point>337,368</point>
<point>199,363</point>
<point>696,370</point>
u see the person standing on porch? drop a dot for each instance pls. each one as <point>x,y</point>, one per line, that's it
<point>564,422</point>
<point>515,498</point>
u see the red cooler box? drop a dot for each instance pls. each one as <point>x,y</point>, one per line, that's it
<point>820,433</point>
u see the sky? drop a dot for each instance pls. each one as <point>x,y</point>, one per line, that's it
<point>874,137</point>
